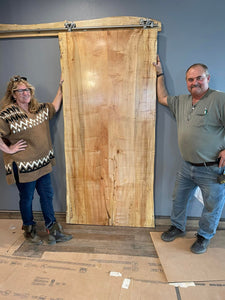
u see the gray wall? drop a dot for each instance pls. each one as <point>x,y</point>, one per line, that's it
<point>192,31</point>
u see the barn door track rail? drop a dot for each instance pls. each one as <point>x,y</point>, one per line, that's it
<point>53,29</point>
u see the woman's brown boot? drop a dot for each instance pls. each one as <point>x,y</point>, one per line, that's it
<point>31,235</point>
<point>57,235</point>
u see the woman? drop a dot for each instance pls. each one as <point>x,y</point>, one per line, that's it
<point>28,153</point>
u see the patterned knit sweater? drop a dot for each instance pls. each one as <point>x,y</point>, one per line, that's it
<point>38,158</point>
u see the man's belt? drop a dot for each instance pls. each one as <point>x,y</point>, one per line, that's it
<point>205,164</point>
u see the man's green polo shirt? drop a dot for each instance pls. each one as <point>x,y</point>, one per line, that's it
<point>201,132</point>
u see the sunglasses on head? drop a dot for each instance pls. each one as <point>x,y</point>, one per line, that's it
<point>19,78</point>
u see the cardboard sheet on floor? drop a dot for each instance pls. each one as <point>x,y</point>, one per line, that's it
<point>181,265</point>
<point>142,268</point>
<point>206,291</point>
<point>84,277</point>
<point>11,235</point>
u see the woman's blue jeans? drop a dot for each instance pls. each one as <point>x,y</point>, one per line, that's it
<point>187,180</point>
<point>44,189</point>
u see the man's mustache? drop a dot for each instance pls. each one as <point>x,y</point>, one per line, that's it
<point>195,85</point>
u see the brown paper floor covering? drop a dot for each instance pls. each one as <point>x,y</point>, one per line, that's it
<point>59,273</point>
<point>181,265</point>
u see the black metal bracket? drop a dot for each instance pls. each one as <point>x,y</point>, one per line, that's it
<point>70,26</point>
<point>146,23</point>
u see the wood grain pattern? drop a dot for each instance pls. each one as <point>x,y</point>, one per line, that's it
<point>109,112</point>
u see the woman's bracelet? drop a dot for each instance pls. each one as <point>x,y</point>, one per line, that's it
<point>161,74</point>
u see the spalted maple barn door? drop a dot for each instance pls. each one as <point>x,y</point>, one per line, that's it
<point>109,117</point>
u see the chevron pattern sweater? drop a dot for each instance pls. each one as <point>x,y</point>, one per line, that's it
<point>38,158</point>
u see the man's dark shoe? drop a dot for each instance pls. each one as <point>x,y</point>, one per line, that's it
<point>171,234</point>
<point>200,245</point>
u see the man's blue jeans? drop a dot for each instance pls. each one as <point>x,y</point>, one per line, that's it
<point>44,189</point>
<point>187,180</point>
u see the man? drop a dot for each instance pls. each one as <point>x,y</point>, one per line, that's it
<point>200,118</point>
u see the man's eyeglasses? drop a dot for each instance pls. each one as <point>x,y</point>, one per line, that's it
<point>20,91</point>
<point>19,78</point>
<point>199,78</point>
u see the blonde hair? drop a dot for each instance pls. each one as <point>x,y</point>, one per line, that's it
<point>12,86</point>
